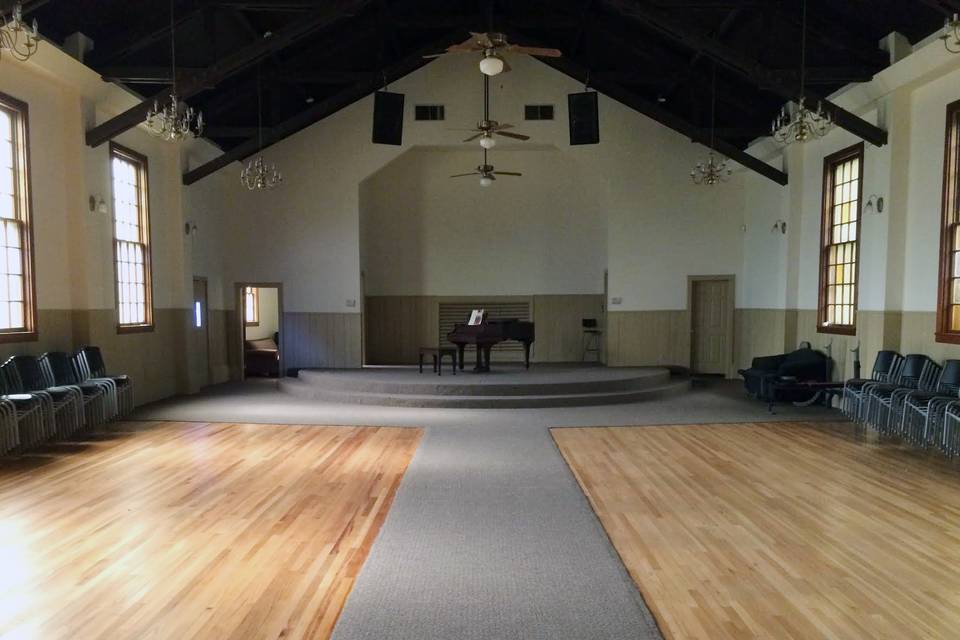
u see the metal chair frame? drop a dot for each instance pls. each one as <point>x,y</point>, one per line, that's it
<point>852,404</point>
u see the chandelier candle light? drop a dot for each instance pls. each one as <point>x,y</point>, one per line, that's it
<point>174,121</point>
<point>16,38</point>
<point>804,123</point>
<point>951,34</point>
<point>256,176</point>
<point>714,170</point>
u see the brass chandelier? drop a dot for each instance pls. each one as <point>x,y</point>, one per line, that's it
<point>174,121</point>
<point>256,176</point>
<point>16,38</point>
<point>715,169</point>
<point>803,123</point>
<point>951,34</point>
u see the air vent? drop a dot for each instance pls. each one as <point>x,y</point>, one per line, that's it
<point>538,112</point>
<point>429,112</point>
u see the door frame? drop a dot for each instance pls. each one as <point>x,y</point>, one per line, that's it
<point>240,323</point>
<point>731,331</point>
<point>206,324</point>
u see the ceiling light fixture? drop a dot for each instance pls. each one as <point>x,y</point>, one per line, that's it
<point>803,123</point>
<point>16,38</point>
<point>176,120</point>
<point>491,64</point>
<point>715,169</point>
<point>951,31</point>
<point>256,176</point>
<point>487,141</point>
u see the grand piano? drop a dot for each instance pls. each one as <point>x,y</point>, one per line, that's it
<point>488,333</point>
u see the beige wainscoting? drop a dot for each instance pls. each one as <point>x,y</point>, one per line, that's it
<point>397,326</point>
<point>320,340</point>
<point>637,338</point>
<point>758,332</point>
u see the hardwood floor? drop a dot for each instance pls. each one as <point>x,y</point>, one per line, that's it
<point>185,530</point>
<point>777,530</point>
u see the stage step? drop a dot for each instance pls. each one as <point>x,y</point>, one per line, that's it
<point>485,396</point>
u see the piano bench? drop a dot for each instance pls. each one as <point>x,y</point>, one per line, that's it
<point>437,353</point>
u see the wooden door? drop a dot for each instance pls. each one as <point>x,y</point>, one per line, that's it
<point>711,311</point>
<point>200,336</point>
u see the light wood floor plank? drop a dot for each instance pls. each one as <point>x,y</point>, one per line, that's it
<point>777,530</point>
<point>185,530</point>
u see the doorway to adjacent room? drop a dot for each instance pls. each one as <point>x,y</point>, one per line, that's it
<point>260,309</point>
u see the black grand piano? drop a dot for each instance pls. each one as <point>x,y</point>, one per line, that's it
<point>488,333</point>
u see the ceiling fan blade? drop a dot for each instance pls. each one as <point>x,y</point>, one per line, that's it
<point>472,138</point>
<point>518,136</point>
<point>535,51</point>
<point>500,126</point>
<point>506,65</point>
<point>461,175</point>
<point>435,55</point>
<point>507,173</point>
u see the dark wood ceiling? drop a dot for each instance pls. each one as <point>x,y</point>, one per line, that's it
<point>316,57</point>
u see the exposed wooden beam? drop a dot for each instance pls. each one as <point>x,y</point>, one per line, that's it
<point>228,66</point>
<point>654,19</point>
<point>945,7</point>
<point>325,77</point>
<point>132,41</point>
<point>148,74</point>
<point>231,132</point>
<point>325,107</point>
<point>665,117</point>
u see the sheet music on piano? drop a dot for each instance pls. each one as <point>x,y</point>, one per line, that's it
<point>476,317</point>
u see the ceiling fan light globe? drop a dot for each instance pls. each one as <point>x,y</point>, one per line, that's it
<point>486,181</point>
<point>488,142</point>
<point>491,64</point>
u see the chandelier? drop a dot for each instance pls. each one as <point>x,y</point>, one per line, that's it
<point>803,123</point>
<point>714,170</point>
<point>256,176</point>
<point>16,38</point>
<point>951,30</point>
<point>175,120</point>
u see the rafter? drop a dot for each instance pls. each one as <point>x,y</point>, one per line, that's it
<point>325,107</point>
<point>655,19</point>
<point>228,66</point>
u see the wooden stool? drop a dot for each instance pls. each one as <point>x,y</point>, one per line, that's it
<point>438,353</point>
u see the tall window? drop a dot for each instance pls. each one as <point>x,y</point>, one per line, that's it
<point>948,309</point>
<point>131,233</point>
<point>17,299</point>
<point>840,241</point>
<point>251,306</point>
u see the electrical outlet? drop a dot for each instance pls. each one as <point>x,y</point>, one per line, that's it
<point>617,300</point>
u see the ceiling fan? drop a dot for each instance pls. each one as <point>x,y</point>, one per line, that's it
<point>486,172</point>
<point>487,127</point>
<point>493,45</point>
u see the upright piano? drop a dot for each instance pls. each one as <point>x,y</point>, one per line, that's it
<point>488,333</point>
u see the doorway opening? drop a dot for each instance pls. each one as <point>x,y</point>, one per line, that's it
<point>711,304</point>
<point>260,310</point>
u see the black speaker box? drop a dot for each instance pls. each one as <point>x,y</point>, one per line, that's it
<point>584,118</point>
<point>387,118</point>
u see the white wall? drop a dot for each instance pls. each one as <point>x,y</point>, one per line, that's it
<point>424,233</point>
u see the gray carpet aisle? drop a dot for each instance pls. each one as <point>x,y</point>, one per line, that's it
<point>489,535</point>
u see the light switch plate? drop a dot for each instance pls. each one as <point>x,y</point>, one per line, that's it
<point>616,301</point>
<point>351,303</point>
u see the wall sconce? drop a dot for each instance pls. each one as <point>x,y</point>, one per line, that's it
<point>98,205</point>
<point>190,229</point>
<point>779,225</point>
<point>874,204</point>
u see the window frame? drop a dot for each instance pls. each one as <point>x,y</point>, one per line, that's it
<point>951,155</point>
<point>143,169</point>
<point>22,173</point>
<point>256,307</point>
<point>830,162</point>
<point>431,110</point>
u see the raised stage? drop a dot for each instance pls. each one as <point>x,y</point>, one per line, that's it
<point>506,386</point>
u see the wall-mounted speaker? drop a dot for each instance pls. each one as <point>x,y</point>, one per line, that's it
<point>584,118</point>
<point>387,118</point>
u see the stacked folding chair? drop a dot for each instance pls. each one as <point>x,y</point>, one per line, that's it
<point>58,370</point>
<point>9,431</point>
<point>918,372</point>
<point>91,368</point>
<point>886,368</point>
<point>922,419</point>
<point>65,403</point>
<point>34,412</point>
